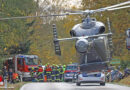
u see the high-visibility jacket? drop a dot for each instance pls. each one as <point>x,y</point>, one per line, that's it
<point>15,75</point>
<point>40,69</point>
<point>48,69</point>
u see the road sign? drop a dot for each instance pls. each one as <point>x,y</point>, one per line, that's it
<point>118,62</point>
<point>115,61</point>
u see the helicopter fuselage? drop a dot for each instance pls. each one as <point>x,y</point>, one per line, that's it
<point>88,29</point>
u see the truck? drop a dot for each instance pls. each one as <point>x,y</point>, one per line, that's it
<point>22,64</point>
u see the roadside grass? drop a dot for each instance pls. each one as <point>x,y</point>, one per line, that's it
<point>17,86</point>
<point>125,81</point>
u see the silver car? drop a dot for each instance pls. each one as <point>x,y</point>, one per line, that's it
<point>94,77</point>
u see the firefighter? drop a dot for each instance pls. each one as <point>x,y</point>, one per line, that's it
<point>32,73</point>
<point>48,73</point>
<point>40,75</point>
<point>35,75</point>
<point>57,74</point>
<point>1,80</point>
<point>15,77</point>
<point>64,67</point>
<point>61,73</point>
<point>53,73</point>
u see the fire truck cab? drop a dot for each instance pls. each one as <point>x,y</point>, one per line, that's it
<point>22,64</point>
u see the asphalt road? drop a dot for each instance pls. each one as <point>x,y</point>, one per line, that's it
<point>71,86</point>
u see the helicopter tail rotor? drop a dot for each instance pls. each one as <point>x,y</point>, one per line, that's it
<point>56,42</point>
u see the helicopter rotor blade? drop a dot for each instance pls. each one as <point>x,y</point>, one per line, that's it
<point>109,8</point>
<point>118,8</point>
<point>113,7</point>
<point>117,5</point>
<point>23,17</point>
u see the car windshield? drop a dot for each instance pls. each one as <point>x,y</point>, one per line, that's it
<point>71,68</point>
<point>31,61</point>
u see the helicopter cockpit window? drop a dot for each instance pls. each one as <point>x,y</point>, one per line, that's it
<point>88,23</point>
<point>31,61</point>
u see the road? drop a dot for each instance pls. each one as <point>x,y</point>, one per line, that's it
<point>71,86</point>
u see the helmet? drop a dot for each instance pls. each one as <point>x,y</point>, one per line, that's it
<point>32,68</point>
<point>64,66</point>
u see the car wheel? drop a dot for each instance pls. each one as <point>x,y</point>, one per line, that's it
<point>103,84</point>
<point>78,84</point>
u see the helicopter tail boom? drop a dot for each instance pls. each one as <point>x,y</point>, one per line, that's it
<point>56,42</point>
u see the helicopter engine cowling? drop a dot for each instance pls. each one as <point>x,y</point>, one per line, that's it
<point>82,45</point>
<point>78,30</point>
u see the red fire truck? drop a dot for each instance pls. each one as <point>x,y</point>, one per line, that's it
<point>22,64</point>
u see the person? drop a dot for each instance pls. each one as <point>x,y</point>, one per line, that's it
<point>48,73</point>
<point>40,75</point>
<point>10,75</point>
<point>53,73</point>
<point>5,73</point>
<point>61,73</point>
<point>1,80</point>
<point>15,77</point>
<point>64,68</point>
<point>57,74</point>
<point>32,73</point>
<point>108,76</point>
<point>126,72</point>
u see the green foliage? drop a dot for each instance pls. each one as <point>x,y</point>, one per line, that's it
<point>16,32</point>
<point>125,63</point>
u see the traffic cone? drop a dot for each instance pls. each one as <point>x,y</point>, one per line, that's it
<point>45,78</point>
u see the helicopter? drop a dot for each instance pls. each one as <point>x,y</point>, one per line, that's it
<point>93,45</point>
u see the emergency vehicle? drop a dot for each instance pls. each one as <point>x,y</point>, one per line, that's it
<point>70,72</point>
<point>22,64</point>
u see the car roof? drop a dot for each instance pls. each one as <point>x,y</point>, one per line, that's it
<point>72,65</point>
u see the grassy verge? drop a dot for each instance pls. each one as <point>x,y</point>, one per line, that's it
<point>125,81</point>
<point>17,86</point>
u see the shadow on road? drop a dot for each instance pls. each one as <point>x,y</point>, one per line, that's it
<point>90,85</point>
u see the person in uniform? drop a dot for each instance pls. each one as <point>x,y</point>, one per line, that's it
<point>40,75</point>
